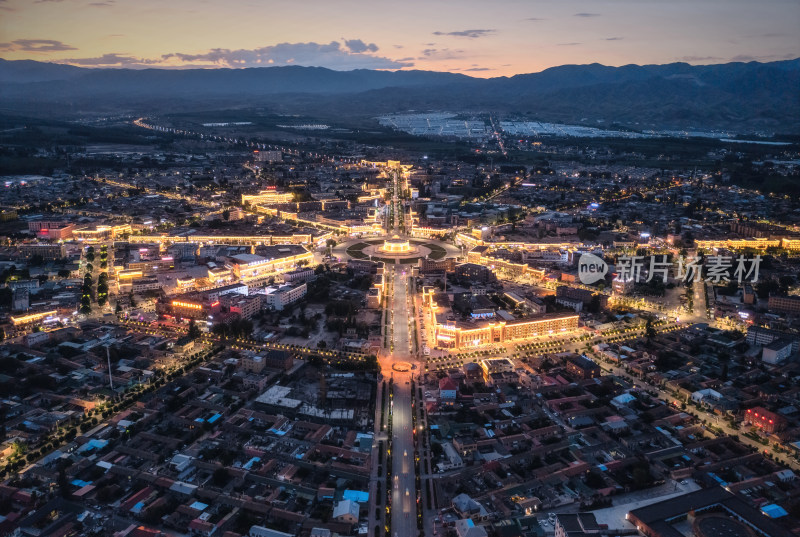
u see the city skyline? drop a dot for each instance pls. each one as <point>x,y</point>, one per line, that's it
<point>512,38</point>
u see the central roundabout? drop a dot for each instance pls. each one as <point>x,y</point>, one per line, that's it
<point>395,249</point>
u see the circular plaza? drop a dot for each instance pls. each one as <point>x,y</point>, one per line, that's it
<point>395,249</point>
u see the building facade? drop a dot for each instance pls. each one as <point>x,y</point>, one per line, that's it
<point>455,335</point>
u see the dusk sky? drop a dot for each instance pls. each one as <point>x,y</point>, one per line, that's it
<point>475,37</point>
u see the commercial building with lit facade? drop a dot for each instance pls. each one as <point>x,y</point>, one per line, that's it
<point>465,335</point>
<point>480,256</point>
<point>758,243</point>
<point>267,196</point>
<point>763,419</point>
<point>295,238</point>
<point>52,229</point>
<point>192,308</point>
<point>32,318</point>
<point>94,233</point>
<point>280,259</point>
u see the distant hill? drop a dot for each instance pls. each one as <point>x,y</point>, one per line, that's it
<point>743,97</point>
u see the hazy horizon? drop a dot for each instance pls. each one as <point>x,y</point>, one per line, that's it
<point>513,37</point>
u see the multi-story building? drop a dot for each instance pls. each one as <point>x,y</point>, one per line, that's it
<point>427,266</point>
<point>263,155</point>
<point>622,285</point>
<point>141,285</point>
<point>582,367</point>
<point>23,284</point>
<point>267,196</point>
<point>51,229</point>
<point>374,298</point>
<point>299,275</point>
<point>475,255</point>
<point>190,306</point>
<point>791,243</point>
<point>46,251</point>
<point>496,365</point>
<point>252,363</point>
<point>767,421</point>
<point>584,295</point>
<point>458,335</point>
<point>758,243</point>
<point>757,335</point>
<point>280,360</point>
<point>234,289</point>
<point>572,303</point>
<point>245,306</point>
<point>756,229</point>
<point>777,351</point>
<point>475,273</point>
<point>101,232</point>
<point>364,266</point>
<point>784,304</point>
<point>278,298</point>
<point>183,251</point>
<point>278,259</point>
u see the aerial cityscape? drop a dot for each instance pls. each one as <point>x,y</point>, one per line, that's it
<point>507,270</point>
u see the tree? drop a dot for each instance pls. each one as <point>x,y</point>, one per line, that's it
<point>86,303</point>
<point>194,330</point>
<point>650,331</point>
<point>102,288</point>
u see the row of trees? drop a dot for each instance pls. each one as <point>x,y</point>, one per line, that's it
<point>101,291</point>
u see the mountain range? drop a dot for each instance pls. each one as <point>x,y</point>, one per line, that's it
<point>741,97</point>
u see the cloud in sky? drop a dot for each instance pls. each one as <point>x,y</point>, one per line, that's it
<point>36,45</point>
<point>614,38</point>
<point>586,15</point>
<point>471,34</point>
<point>567,44</point>
<point>354,54</point>
<point>441,54</point>
<point>112,60</point>
<point>358,46</point>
